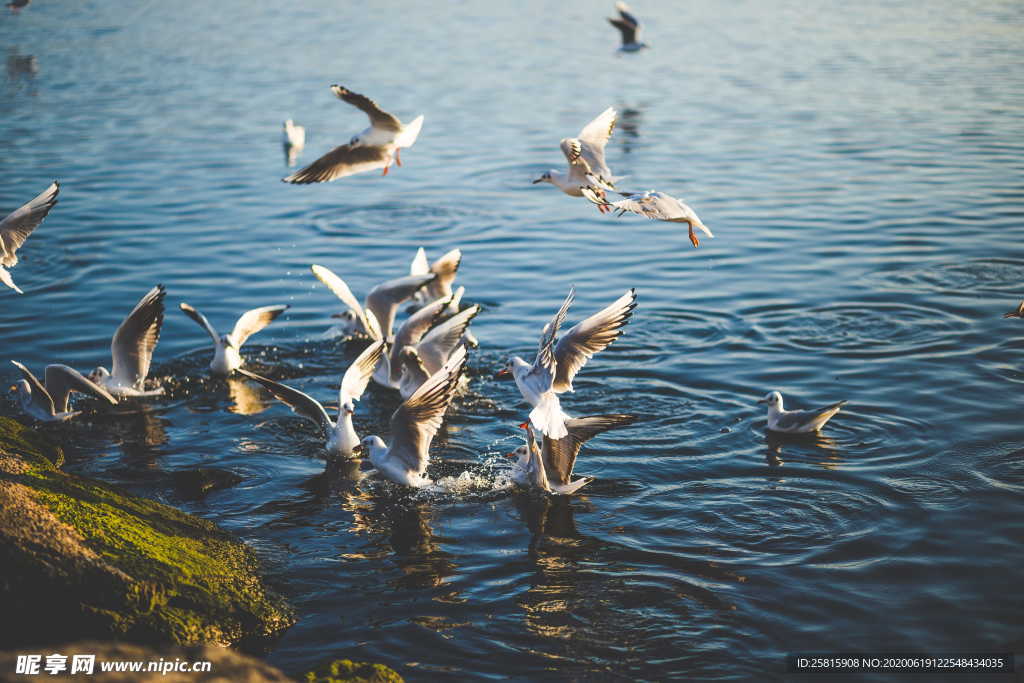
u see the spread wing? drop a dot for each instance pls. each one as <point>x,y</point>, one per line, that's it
<point>378,117</point>
<point>303,404</point>
<point>342,161</point>
<point>440,342</point>
<point>445,268</point>
<point>412,331</point>
<point>385,298</point>
<point>62,380</point>
<point>136,337</point>
<point>201,320</point>
<point>19,224</point>
<point>415,423</point>
<point>355,379</point>
<point>40,396</point>
<point>255,320</point>
<point>545,360</point>
<point>588,337</point>
<point>560,454</point>
<point>626,23</point>
<point>593,139</point>
<point>341,290</point>
<point>419,265</point>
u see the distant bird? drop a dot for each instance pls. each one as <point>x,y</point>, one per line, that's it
<point>132,347</point>
<point>556,365</point>
<point>49,402</point>
<point>342,439</point>
<point>376,147</point>
<point>796,421</point>
<point>226,357</point>
<point>629,27</point>
<point>1016,313</point>
<point>414,425</point>
<point>19,224</point>
<point>657,206</point>
<point>416,363</point>
<point>550,468</point>
<point>585,154</point>
<point>294,139</point>
<point>16,5</point>
<point>377,318</point>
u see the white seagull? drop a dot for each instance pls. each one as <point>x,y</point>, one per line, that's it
<point>556,365</point>
<point>18,225</point>
<point>342,439</point>
<point>376,147</point>
<point>410,333</point>
<point>585,154</point>
<point>293,139</point>
<point>414,425</point>
<point>132,347</point>
<point>657,206</point>
<point>445,268</point>
<point>418,362</point>
<point>796,421</point>
<point>377,318</point>
<point>49,402</point>
<point>550,468</point>
<point>629,27</point>
<point>226,356</point>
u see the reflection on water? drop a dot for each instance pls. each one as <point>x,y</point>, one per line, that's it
<point>245,398</point>
<point>628,128</point>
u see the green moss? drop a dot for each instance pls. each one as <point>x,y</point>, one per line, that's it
<point>34,448</point>
<point>347,671</point>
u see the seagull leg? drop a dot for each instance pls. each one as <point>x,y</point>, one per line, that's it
<point>693,237</point>
<point>398,157</point>
<point>386,172</point>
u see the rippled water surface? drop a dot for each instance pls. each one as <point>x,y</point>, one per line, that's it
<point>861,165</point>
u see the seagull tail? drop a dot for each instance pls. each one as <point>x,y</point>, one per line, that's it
<point>548,417</point>
<point>574,486</point>
<point>6,278</point>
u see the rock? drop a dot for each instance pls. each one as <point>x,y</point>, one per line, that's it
<point>197,483</point>
<point>347,671</point>
<point>84,559</point>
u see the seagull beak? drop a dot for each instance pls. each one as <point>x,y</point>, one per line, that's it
<point>762,400</point>
<point>358,448</point>
<point>502,374</point>
<point>538,180</point>
<point>524,425</point>
<point>510,455</point>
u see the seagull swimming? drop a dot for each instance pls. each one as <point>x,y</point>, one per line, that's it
<point>1017,312</point>
<point>585,154</point>
<point>550,468</point>
<point>657,206</point>
<point>629,27</point>
<point>556,365</point>
<point>414,425</point>
<point>418,362</point>
<point>226,357</point>
<point>377,318</point>
<point>293,139</point>
<point>132,347</point>
<point>49,402</point>
<point>18,225</point>
<point>376,147</point>
<point>796,421</point>
<point>342,439</point>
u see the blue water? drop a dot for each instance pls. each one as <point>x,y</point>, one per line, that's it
<point>861,165</point>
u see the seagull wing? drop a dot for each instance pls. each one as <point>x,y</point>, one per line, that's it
<point>341,290</point>
<point>136,337</point>
<point>378,117</point>
<point>588,337</point>
<point>438,344</point>
<point>19,224</point>
<point>62,380</point>
<point>40,396</point>
<point>445,268</point>
<point>253,321</point>
<point>543,371</point>
<point>355,379</point>
<point>385,298</point>
<point>420,265</point>
<point>344,160</point>
<point>201,320</point>
<point>560,454</point>
<point>593,139</point>
<point>302,403</point>
<point>805,419</point>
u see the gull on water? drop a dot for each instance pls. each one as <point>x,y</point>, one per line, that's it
<point>49,402</point>
<point>418,362</point>
<point>414,425</point>
<point>18,225</point>
<point>131,349</point>
<point>410,333</point>
<point>293,139</point>
<point>1017,312</point>
<point>585,154</point>
<point>657,206</point>
<point>556,365</point>
<point>342,439</point>
<point>376,147</point>
<point>629,27</point>
<point>796,421</point>
<point>226,356</point>
<point>376,318</point>
<point>550,467</point>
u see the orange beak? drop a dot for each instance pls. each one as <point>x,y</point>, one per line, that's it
<point>501,374</point>
<point>524,425</point>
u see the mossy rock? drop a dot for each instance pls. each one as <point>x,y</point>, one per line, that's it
<point>347,671</point>
<point>88,560</point>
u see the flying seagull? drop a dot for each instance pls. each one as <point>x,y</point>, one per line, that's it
<point>132,347</point>
<point>629,27</point>
<point>49,402</point>
<point>226,357</point>
<point>657,206</point>
<point>585,154</point>
<point>376,147</point>
<point>18,225</point>
<point>796,421</point>
<point>418,362</point>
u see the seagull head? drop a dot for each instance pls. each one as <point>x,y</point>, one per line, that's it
<point>348,407</point>
<point>519,453</point>
<point>227,341</point>
<point>24,390</point>
<point>545,178</point>
<point>372,447</point>
<point>348,322</point>
<point>774,400</point>
<point>99,374</point>
<point>506,371</point>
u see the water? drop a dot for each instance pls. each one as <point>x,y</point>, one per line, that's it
<point>861,166</point>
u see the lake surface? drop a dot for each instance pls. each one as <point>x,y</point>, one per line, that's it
<point>861,165</point>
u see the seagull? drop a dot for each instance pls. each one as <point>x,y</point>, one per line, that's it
<point>417,363</point>
<point>226,355</point>
<point>629,27</point>
<point>49,402</point>
<point>414,425</point>
<point>585,154</point>
<point>388,374</point>
<point>376,319</point>
<point>796,421</point>
<point>18,225</point>
<point>376,147</point>
<point>294,139</point>
<point>445,268</point>
<point>556,365</point>
<point>131,349</point>
<point>550,468</point>
<point>342,439</point>
<point>1016,313</point>
<point>657,206</point>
